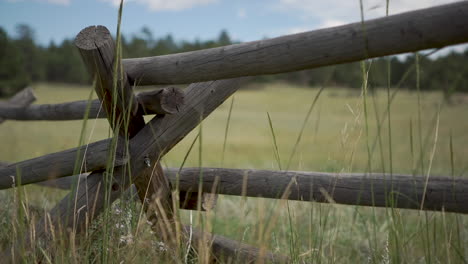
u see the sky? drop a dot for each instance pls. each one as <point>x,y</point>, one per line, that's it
<point>245,20</point>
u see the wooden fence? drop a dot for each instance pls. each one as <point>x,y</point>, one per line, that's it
<point>216,74</point>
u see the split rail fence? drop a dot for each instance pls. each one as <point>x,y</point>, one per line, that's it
<point>216,74</point>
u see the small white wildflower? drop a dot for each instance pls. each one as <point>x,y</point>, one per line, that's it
<point>117,210</point>
<point>162,246</point>
<point>386,255</point>
<point>128,239</point>
<point>159,245</point>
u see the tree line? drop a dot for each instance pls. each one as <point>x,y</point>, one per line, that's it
<point>24,61</point>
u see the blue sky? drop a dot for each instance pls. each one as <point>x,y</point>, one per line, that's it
<point>191,19</point>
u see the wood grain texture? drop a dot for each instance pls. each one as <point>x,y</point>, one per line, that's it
<point>434,27</point>
<point>97,49</point>
<point>380,190</point>
<point>21,99</point>
<point>152,142</point>
<point>188,199</point>
<point>64,183</point>
<point>159,101</point>
<point>94,156</point>
<point>121,106</point>
<point>443,193</point>
<point>226,250</point>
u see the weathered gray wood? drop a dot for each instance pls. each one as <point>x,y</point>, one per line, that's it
<point>21,99</point>
<point>154,191</point>
<point>121,106</point>
<point>64,183</point>
<point>151,143</point>
<point>190,203</point>
<point>163,101</point>
<point>181,123</point>
<point>398,191</point>
<point>188,198</point>
<point>94,156</point>
<point>226,250</point>
<point>434,27</point>
<point>159,101</point>
<point>97,50</point>
<point>64,111</point>
<point>376,189</point>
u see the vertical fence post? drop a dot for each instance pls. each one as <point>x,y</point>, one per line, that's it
<point>98,51</point>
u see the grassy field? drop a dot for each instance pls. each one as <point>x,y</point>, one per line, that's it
<point>335,139</point>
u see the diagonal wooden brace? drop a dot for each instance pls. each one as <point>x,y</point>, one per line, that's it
<point>80,207</point>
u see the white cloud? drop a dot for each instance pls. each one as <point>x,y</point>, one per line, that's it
<point>331,23</point>
<point>166,5</point>
<point>457,48</point>
<point>56,2</point>
<point>299,29</point>
<point>241,13</point>
<point>295,30</point>
<point>59,2</point>
<point>346,11</point>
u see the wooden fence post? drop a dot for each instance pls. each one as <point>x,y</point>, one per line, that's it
<point>97,49</point>
<point>147,143</point>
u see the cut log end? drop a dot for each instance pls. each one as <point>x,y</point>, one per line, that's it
<point>21,99</point>
<point>164,101</point>
<point>172,99</point>
<point>93,37</point>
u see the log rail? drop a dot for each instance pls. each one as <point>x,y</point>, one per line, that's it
<point>160,101</point>
<point>446,194</point>
<point>430,28</point>
<point>209,71</point>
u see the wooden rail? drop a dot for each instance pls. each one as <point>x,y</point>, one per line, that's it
<point>160,101</point>
<point>147,143</point>
<point>151,143</point>
<point>94,156</point>
<point>376,189</point>
<point>429,28</point>
<point>21,100</point>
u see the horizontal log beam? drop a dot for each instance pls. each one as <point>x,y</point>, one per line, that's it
<point>64,183</point>
<point>21,99</point>
<point>434,27</point>
<point>160,101</point>
<point>60,164</point>
<point>226,250</point>
<point>380,190</point>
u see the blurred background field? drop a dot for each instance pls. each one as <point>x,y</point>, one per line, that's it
<point>427,135</point>
<point>334,140</point>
